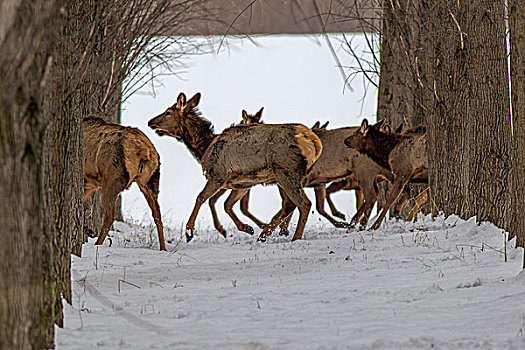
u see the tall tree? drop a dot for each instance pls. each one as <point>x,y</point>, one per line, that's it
<point>28,31</point>
<point>469,132</point>
<point>517,74</point>
<point>101,45</point>
<point>401,89</point>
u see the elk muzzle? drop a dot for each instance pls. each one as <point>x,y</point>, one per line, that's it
<point>156,124</point>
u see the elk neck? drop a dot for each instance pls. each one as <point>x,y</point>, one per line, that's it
<point>380,145</point>
<point>197,134</point>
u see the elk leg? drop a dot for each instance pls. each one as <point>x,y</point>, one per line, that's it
<point>89,189</point>
<point>400,204</point>
<point>244,210</point>
<point>370,192</point>
<point>420,199</point>
<point>233,198</point>
<point>151,193</point>
<point>287,208</point>
<point>296,194</point>
<point>209,190</point>
<point>397,187</point>
<point>320,195</point>
<point>335,187</point>
<point>216,222</point>
<point>285,220</point>
<point>284,225</point>
<point>109,197</point>
<point>359,198</point>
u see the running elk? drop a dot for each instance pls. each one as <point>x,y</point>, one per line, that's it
<point>403,153</point>
<point>243,156</point>
<point>115,156</point>
<point>235,195</point>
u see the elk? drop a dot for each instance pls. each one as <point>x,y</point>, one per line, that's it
<point>338,162</point>
<point>234,196</point>
<point>319,186</point>
<point>115,156</point>
<point>243,156</point>
<point>404,153</point>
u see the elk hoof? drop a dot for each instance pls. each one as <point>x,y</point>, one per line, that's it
<point>351,226</point>
<point>89,232</point>
<point>262,238</point>
<point>222,231</point>
<point>343,225</point>
<point>248,229</point>
<point>189,235</point>
<point>340,215</point>
<point>284,231</point>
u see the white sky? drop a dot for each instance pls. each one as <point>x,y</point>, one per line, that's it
<point>295,79</point>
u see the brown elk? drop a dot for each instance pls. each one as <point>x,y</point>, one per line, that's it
<point>319,185</point>
<point>234,196</point>
<point>243,156</point>
<point>338,162</point>
<point>350,183</point>
<point>115,156</point>
<point>405,154</point>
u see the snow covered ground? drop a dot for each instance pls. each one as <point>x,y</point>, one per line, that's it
<point>439,284</point>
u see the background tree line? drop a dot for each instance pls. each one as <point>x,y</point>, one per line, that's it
<point>443,63</point>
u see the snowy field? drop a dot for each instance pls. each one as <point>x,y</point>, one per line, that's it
<point>439,284</point>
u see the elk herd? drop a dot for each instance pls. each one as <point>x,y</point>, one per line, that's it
<point>291,156</point>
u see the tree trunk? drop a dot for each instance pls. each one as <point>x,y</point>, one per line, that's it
<point>399,100</point>
<point>517,76</point>
<point>469,132</point>
<point>28,30</point>
<point>84,69</point>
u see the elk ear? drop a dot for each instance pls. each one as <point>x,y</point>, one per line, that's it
<point>316,125</point>
<point>181,100</point>
<point>324,125</point>
<point>364,127</point>
<point>399,128</point>
<point>380,123</point>
<point>194,101</point>
<point>258,115</point>
<point>244,116</point>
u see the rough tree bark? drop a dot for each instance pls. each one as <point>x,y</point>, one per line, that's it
<point>400,92</point>
<point>469,132</point>
<point>517,76</point>
<point>28,30</point>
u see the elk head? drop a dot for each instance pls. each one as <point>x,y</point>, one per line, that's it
<point>362,137</point>
<point>171,122</point>
<point>318,127</point>
<point>248,119</point>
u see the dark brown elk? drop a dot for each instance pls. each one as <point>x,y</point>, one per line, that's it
<point>243,156</point>
<point>115,156</point>
<point>404,153</point>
